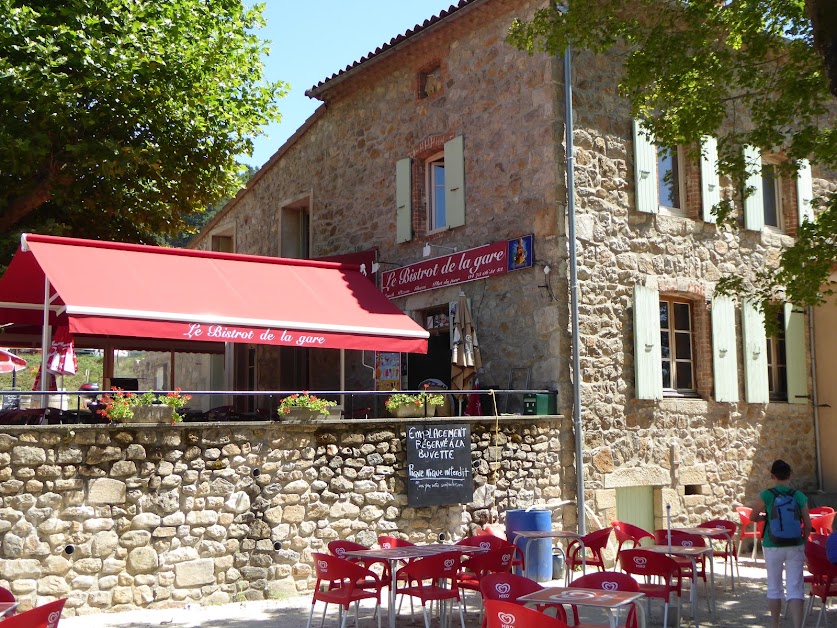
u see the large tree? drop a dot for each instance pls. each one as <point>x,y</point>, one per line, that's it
<point>119,118</point>
<point>757,72</point>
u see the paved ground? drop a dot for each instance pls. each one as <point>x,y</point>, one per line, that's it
<point>746,607</point>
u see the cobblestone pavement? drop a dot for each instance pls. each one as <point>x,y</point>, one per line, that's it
<point>746,607</point>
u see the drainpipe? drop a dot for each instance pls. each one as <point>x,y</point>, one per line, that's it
<point>568,125</point>
<point>814,399</point>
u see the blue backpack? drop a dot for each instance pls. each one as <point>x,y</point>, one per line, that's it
<point>784,522</point>
<point>831,547</point>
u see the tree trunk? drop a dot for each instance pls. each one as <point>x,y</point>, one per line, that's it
<point>823,15</point>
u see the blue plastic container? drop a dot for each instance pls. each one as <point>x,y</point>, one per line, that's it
<point>539,556</point>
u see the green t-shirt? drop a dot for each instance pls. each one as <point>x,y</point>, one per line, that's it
<point>767,497</point>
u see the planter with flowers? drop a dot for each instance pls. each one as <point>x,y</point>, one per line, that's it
<point>149,407</point>
<point>421,404</point>
<point>305,407</point>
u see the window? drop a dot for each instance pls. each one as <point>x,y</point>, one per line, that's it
<point>222,243</point>
<point>296,231</point>
<point>677,345</point>
<point>430,81</point>
<point>435,170</point>
<point>771,191</point>
<point>670,177</point>
<point>777,371</point>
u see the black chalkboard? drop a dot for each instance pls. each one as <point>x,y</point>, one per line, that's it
<point>439,466</point>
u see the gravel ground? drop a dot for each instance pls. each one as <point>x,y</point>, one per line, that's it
<point>745,607</point>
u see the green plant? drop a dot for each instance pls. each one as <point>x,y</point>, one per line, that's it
<point>398,399</point>
<point>306,401</point>
<point>119,405</point>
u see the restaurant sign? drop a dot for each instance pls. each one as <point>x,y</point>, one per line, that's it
<point>489,260</point>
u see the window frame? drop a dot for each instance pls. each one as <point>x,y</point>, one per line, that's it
<point>777,186</point>
<point>435,192</point>
<point>777,369</point>
<point>673,389</point>
<point>678,155</point>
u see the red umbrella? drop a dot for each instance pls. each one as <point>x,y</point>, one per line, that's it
<point>61,359</point>
<point>11,363</point>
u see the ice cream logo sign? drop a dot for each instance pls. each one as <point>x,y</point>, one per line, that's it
<point>490,260</point>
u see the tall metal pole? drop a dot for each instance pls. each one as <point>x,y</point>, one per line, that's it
<point>576,373</point>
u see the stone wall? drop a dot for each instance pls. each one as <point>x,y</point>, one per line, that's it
<point>115,518</point>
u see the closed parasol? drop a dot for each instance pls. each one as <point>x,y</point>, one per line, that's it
<point>61,359</point>
<point>465,355</point>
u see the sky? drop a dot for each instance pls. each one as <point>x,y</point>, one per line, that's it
<point>313,39</point>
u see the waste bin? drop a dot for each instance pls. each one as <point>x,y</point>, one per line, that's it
<point>539,556</point>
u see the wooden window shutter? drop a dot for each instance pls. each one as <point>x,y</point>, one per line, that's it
<point>710,183</point>
<point>756,387</point>
<point>795,354</point>
<point>754,203</point>
<point>647,358</point>
<point>724,349</point>
<point>455,182</point>
<point>645,167</point>
<point>805,192</point>
<point>404,200</point>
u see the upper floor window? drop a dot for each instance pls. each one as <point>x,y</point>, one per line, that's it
<point>436,192</point>
<point>670,177</point>
<point>771,192</point>
<point>777,370</point>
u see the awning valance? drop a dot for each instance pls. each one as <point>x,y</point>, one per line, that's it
<point>127,290</point>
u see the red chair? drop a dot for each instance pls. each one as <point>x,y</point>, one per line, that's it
<point>387,542</point>
<point>7,596</point>
<point>490,541</point>
<point>432,579</point>
<point>629,533</point>
<point>595,542</point>
<point>823,578</point>
<point>746,533</point>
<point>820,510</point>
<point>500,614</point>
<point>508,587</point>
<point>339,547</point>
<point>727,548</point>
<point>639,562</point>
<point>607,581</point>
<point>44,616</point>
<point>342,582</point>
<point>823,524</point>
<point>476,567</point>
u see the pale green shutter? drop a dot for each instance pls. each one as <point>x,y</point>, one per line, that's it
<point>647,358</point>
<point>795,354</point>
<point>404,200</point>
<point>756,388</point>
<point>754,203</point>
<point>724,349</point>
<point>710,184</point>
<point>805,192</point>
<point>455,182</point>
<point>645,167</point>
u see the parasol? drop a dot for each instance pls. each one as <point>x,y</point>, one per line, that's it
<point>11,363</point>
<point>61,359</point>
<point>465,355</point>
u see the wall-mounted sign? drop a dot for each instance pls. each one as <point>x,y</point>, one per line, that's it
<point>497,258</point>
<point>439,465</point>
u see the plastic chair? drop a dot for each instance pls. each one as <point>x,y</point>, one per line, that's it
<point>44,616</point>
<point>639,562</point>
<point>607,581</point>
<point>824,524</point>
<point>823,579</point>
<point>727,550</point>
<point>7,596</point>
<point>339,547</point>
<point>476,567</point>
<point>490,541</point>
<point>432,579</point>
<point>342,582</point>
<point>508,587</point>
<point>746,533</point>
<point>629,533</point>
<point>820,510</point>
<point>500,614</point>
<point>595,542</point>
<point>388,542</point>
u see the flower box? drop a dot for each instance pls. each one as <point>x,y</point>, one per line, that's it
<point>411,410</point>
<point>157,413</point>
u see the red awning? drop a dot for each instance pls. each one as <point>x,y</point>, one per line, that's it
<point>113,289</point>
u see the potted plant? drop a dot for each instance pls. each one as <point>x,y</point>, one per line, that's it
<point>304,406</point>
<point>149,407</point>
<point>402,404</point>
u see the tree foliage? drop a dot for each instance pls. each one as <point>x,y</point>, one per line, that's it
<point>120,118</point>
<point>757,72</point>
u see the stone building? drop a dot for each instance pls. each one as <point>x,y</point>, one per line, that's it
<point>449,137</point>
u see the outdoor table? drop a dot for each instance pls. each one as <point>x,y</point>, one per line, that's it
<point>7,607</point>
<point>692,553</point>
<point>711,534</point>
<point>609,601</point>
<point>537,535</point>
<point>395,555</point>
